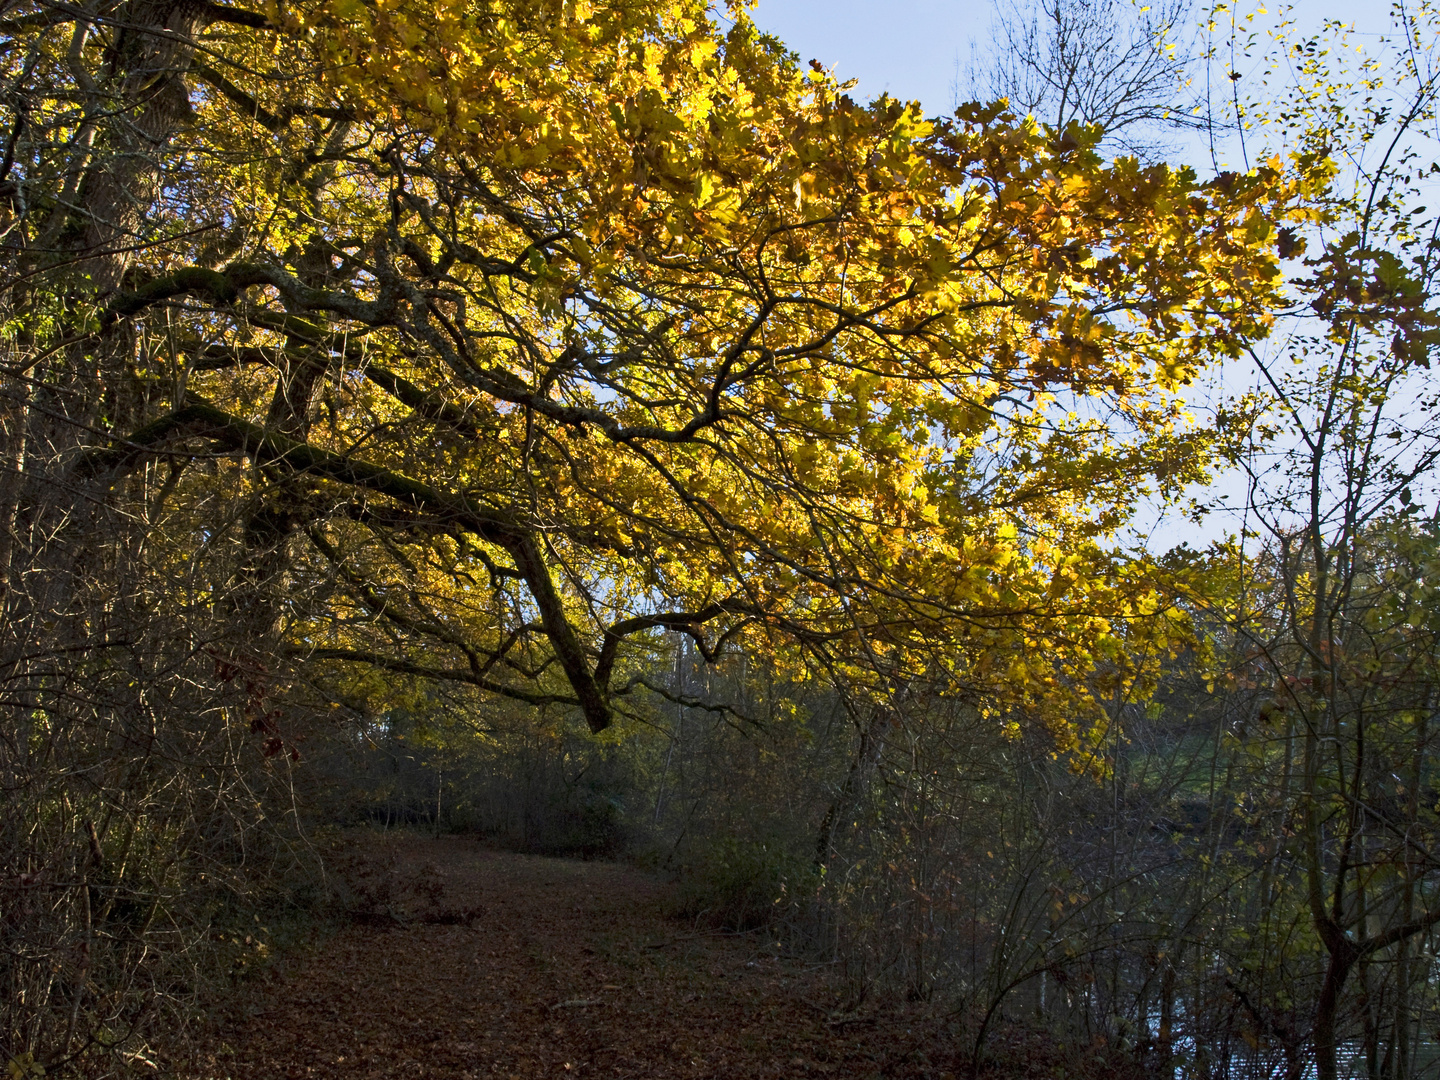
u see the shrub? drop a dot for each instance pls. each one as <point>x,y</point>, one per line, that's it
<point>746,884</point>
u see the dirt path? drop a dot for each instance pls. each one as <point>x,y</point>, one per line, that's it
<point>518,966</point>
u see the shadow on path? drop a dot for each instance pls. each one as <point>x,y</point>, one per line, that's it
<point>521,966</point>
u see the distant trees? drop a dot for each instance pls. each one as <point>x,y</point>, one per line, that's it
<point>1123,65</point>
<point>1338,609</point>
<point>1327,613</point>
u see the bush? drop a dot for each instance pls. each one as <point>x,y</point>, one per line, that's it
<point>746,884</point>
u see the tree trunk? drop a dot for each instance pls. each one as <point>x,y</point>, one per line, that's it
<point>867,753</point>
<point>1342,958</point>
<point>147,62</point>
<point>1165,1037</point>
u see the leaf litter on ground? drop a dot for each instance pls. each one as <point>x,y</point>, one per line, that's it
<point>518,966</point>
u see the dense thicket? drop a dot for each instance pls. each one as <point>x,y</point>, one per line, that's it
<point>582,424</point>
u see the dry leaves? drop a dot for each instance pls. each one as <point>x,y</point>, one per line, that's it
<point>520,966</point>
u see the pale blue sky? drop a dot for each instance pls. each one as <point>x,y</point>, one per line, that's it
<point>910,47</point>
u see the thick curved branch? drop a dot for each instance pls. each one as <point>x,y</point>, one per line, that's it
<point>266,447</point>
<point>407,667</point>
<point>224,286</point>
<point>423,403</point>
<point>186,280</point>
<point>248,104</point>
<point>237,16</point>
<point>684,622</point>
<point>203,420</point>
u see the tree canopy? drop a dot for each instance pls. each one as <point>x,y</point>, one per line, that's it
<point>512,333</point>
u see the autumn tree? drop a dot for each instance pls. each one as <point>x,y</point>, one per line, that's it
<point>352,342</point>
<point>631,372</point>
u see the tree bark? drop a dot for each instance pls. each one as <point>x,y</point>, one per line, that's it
<point>1342,957</point>
<point>147,66</point>
<point>867,753</point>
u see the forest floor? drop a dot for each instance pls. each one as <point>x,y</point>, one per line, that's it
<point>470,963</point>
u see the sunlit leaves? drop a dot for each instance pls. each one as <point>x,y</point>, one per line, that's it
<point>701,334</point>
